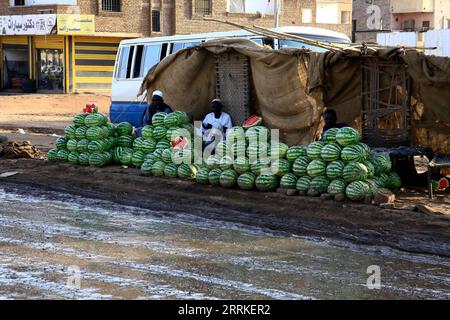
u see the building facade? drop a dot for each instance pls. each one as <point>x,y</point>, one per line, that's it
<point>71,45</point>
<point>372,17</point>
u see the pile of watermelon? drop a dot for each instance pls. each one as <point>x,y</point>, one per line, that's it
<point>90,140</point>
<point>341,164</point>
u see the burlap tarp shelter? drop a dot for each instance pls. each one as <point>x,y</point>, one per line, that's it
<point>291,87</point>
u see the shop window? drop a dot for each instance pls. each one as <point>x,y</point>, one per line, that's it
<point>111,5</point>
<point>50,70</point>
<point>203,7</point>
<point>152,54</point>
<point>306,15</point>
<point>156,21</point>
<point>15,65</point>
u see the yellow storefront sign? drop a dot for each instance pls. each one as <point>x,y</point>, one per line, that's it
<point>73,24</point>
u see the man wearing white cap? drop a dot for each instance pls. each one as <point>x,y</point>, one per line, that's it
<point>157,105</point>
<point>216,123</point>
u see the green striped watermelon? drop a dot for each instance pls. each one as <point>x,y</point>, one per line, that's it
<point>357,190</point>
<point>347,136</point>
<point>261,166</point>
<point>337,186</point>
<point>94,133</point>
<point>247,181</point>
<point>182,156</point>
<point>148,146</point>
<point>382,180</point>
<point>70,132</point>
<point>226,163</point>
<point>78,120</point>
<point>267,182</point>
<point>184,117</point>
<point>355,171</point>
<point>238,150</point>
<point>106,132</point>
<point>300,166</point>
<point>365,150</point>
<point>147,167</point>
<point>138,158</point>
<point>278,151</point>
<point>159,133</point>
<point>158,168</point>
<point>80,134</point>
<point>295,152</point>
<point>331,152</point>
<point>288,181</point>
<point>370,168</point>
<point>187,171</point>
<point>171,170</point>
<point>147,132</point>
<point>241,165</point>
<point>314,150</point>
<point>166,156</point>
<point>61,143</point>
<point>158,119</point>
<point>228,178</point>
<point>72,145</point>
<point>316,168</point>
<point>172,134</point>
<point>152,157</point>
<point>353,153</point>
<point>53,155</point>
<point>63,154</point>
<point>373,186</point>
<point>125,141</point>
<point>83,158</point>
<point>281,167</point>
<point>330,135</point>
<point>221,149</point>
<point>212,162</point>
<point>158,153</point>
<point>97,159</point>
<point>214,177</point>
<point>257,134</point>
<point>394,181</point>
<point>96,146</point>
<point>124,129</point>
<point>163,144</point>
<point>320,184</point>
<point>137,144</point>
<point>382,163</point>
<point>172,120</point>
<point>95,120</point>
<point>126,156</point>
<point>304,184</point>
<point>202,176</point>
<point>108,157</point>
<point>335,170</point>
<point>116,154</point>
<point>236,135</point>
<point>257,151</point>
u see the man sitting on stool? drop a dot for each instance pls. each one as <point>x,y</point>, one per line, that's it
<point>216,122</point>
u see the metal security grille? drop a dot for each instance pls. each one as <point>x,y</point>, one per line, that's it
<point>111,5</point>
<point>203,7</point>
<point>156,21</point>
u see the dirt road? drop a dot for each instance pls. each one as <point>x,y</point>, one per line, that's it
<point>400,228</point>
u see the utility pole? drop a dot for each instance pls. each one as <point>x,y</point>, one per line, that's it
<point>277,6</point>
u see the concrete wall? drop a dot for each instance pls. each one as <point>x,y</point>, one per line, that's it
<point>365,21</point>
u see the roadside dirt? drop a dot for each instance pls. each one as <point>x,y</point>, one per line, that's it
<point>400,228</point>
<point>45,113</point>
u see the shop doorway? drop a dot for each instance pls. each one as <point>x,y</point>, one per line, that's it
<point>50,70</point>
<point>15,60</point>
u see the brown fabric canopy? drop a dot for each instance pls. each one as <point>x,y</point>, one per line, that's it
<point>291,87</point>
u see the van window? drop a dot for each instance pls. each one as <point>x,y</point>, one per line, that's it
<point>138,62</point>
<point>258,41</point>
<point>152,54</point>
<point>123,62</point>
<point>182,45</point>
<point>130,62</point>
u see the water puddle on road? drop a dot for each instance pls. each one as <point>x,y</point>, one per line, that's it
<point>51,242</point>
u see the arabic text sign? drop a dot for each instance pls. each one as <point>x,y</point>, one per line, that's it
<point>34,24</point>
<point>76,24</point>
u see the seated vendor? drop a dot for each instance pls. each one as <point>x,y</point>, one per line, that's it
<point>157,105</point>
<point>330,118</point>
<point>216,123</point>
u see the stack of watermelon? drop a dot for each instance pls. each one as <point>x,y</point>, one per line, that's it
<point>341,164</point>
<point>157,152</point>
<point>90,140</point>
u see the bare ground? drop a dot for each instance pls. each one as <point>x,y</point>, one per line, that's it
<point>401,228</point>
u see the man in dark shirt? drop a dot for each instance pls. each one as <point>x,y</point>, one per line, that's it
<point>156,106</point>
<point>330,119</point>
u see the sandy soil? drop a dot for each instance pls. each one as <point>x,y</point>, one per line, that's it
<point>45,113</point>
<point>401,228</point>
